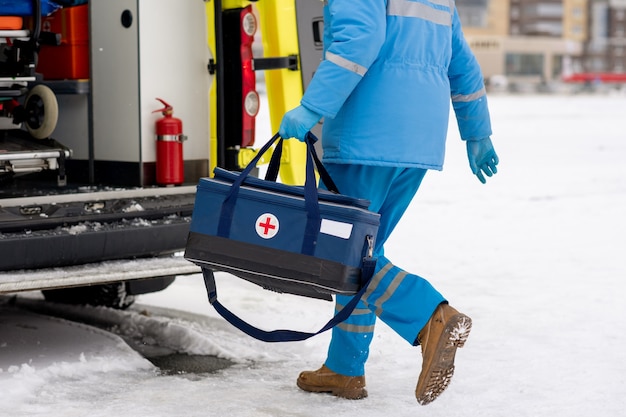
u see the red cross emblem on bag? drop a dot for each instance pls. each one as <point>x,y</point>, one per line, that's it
<point>267,225</point>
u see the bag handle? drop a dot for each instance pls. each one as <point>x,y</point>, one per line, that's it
<point>324,175</point>
<point>311,202</point>
<point>274,165</point>
<point>310,140</point>
<point>367,271</point>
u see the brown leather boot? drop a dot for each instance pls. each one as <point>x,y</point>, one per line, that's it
<point>446,331</point>
<point>325,380</point>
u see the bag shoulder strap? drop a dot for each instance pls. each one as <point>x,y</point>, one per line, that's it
<point>367,272</point>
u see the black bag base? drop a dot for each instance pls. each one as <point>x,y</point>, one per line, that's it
<point>274,269</point>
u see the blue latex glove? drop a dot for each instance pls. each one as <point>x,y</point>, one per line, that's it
<point>482,158</point>
<point>297,122</point>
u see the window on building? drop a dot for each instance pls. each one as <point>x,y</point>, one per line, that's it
<point>597,64</point>
<point>524,64</point>
<point>544,28</point>
<point>599,26</point>
<point>577,11</point>
<point>550,10</point>
<point>543,10</point>
<point>597,46</point>
<point>473,13</point>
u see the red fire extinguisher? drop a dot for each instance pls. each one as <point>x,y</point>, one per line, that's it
<point>169,152</point>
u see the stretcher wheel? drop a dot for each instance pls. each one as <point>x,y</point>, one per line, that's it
<point>42,111</point>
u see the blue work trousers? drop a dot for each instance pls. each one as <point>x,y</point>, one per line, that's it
<point>402,300</point>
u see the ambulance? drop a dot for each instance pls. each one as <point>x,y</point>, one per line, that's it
<point>116,110</point>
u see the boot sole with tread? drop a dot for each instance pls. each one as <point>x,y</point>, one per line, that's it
<point>441,369</point>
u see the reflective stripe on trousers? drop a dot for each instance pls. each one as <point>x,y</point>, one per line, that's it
<point>402,300</point>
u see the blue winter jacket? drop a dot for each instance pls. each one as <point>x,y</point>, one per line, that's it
<point>390,70</point>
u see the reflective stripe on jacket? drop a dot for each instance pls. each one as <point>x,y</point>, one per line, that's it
<point>390,70</point>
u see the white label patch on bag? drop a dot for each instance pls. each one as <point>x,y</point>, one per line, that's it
<point>335,228</point>
<point>267,225</point>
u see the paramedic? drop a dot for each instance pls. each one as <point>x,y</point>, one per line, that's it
<point>390,70</point>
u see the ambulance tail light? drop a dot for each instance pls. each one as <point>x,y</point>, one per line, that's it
<point>250,97</point>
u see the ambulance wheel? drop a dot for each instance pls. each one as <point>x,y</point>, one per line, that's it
<point>107,295</point>
<point>42,111</point>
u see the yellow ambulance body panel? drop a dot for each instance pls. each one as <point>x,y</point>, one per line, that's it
<point>210,15</point>
<point>279,34</point>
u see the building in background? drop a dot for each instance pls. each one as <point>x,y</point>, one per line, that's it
<point>539,41</point>
<point>605,49</point>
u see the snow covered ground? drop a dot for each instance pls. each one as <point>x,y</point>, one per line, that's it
<point>535,257</point>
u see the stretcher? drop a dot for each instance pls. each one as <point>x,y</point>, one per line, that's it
<point>24,102</point>
<point>21,154</point>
